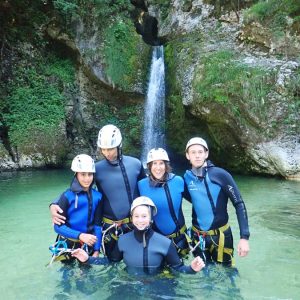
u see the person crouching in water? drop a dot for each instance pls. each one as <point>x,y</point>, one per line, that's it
<point>166,190</point>
<point>143,242</point>
<point>81,208</point>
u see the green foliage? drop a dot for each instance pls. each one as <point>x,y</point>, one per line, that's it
<point>34,108</point>
<point>164,6</point>
<point>178,125</point>
<point>66,7</point>
<point>101,10</point>
<point>63,69</point>
<point>105,8</point>
<point>121,53</point>
<point>223,80</point>
<point>21,20</point>
<point>273,12</point>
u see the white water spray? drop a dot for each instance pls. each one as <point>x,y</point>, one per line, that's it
<point>154,122</point>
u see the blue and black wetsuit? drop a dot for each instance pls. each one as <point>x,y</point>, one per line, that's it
<point>83,215</point>
<point>209,188</point>
<point>167,196</point>
<point>117,181</point>
<point>146,251</point>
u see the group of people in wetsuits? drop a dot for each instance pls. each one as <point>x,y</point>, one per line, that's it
<point>139,218</point>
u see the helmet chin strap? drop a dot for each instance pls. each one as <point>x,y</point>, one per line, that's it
<point>120,152</point>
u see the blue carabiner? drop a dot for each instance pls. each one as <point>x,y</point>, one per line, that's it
<point>58,247</point>
<point>202,243</point>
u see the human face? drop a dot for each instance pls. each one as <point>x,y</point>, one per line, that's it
<point>141,217</point>
<point>85,179</point>
<point>110,154</point>
<point>158,169</point>
<point>197,155</point>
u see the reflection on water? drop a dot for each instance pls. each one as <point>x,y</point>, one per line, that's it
<point>270,272</point>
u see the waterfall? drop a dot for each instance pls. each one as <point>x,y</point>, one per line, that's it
<point>154,120</point>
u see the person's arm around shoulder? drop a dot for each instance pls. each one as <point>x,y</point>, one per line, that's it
<point>56,213</point>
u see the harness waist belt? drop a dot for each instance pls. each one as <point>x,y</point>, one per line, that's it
<point>72,240</point>
<point>118,222</point>
<point>178,233</point>
<point>220,232</point>
<point>212,231</point>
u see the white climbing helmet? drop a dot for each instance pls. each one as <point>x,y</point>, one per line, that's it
<point>143,200</point>
<point>157,154</point>
<point>83,163</point>
<point>196,141</point>
<point>109,137</point>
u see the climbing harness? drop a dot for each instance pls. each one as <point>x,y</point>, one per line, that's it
<point>219,247</point>
<point>61,247</point>
<point>57,249</point>
<point>113,224</point>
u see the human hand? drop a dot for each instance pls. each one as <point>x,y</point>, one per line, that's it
<point>88,239</point>
<point>197,264</point>
<point>56,216</point>
<point>243,247</point>
<point>80,254</point>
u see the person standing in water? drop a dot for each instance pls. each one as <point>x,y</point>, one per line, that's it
<point>116,178</point>
<point>166,190</point>
<point>81,209</point>
<point>209,188</point>
<point>143,249</point>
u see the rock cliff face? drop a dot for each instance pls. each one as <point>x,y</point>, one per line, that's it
<point>110,61</point>
<point>239,82</point>
<point>232,78</point>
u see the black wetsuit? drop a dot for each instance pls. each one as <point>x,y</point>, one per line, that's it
<point>117,181</point>
<point>209,189</point>
<point>146,251</point>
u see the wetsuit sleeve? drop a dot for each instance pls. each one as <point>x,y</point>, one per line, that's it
<point>173,260</point>
<point>64,229</point>
<point>97,227</point>
<point>185,194</point>
<point>97,261</point>
<point>233,193</point>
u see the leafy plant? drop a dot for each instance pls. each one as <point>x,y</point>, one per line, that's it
<point>121,53</point>
<point>34,108</point>
<point>223,80</point>
<point>273,12</point>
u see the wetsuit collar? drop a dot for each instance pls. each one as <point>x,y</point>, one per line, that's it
<point>76,187</point>
<point>115,162</point>
<point>201,171</point>
<point>159,183</point>
<point>144,235</point>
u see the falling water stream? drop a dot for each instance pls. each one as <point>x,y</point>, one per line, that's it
<point>155,104</point>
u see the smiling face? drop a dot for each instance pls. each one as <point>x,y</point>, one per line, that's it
<point>85,179</point>
<point>141,217</point>
<point>197,155</point>
<point>111,154</point>
<point>158,169</point>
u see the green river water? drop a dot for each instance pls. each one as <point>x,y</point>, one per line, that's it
<point>271,271</point>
